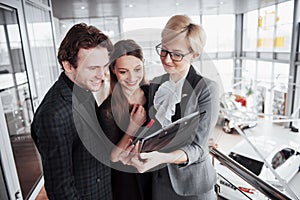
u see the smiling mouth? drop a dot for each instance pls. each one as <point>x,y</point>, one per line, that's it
<point>131,83</point>
<point>96,82</point>
<point>168,66</point>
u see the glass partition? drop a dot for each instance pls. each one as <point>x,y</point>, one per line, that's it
<point>15,99</point>
<point>42,48</point>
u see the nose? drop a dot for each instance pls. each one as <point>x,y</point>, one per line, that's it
<point>168,59</point>
<point>101,72</point>
<point>130,76</point>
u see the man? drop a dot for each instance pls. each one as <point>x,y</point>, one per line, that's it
<point>65,128</point>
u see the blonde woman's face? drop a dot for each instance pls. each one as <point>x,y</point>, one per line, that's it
<point>129,72</point>
<point>177,69</point>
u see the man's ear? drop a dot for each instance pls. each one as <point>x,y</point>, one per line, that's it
<point>67,66</point>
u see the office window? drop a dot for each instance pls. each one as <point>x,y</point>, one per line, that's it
<point>250,31</point>
<point>130,24</point>
<point>266,24</point>
<point>109,26</point>
<point>284,21</point>
<point>225,69</point>
<point>281,75</point>
<point>264,71</point>
<point>42,48</point>
<point>220,31</point>
<point>249,70</point>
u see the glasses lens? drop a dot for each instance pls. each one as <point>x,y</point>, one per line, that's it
<point>163,52</point>
<point>176,56</point>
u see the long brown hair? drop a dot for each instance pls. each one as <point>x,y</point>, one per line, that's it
<point>119,102</point>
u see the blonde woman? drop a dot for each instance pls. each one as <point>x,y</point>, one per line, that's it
<point>187,172</point>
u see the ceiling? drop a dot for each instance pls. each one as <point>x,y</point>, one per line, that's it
<point>69,9</point>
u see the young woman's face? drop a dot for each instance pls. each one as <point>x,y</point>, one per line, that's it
<point>181,68</point>
<point>129,71</point>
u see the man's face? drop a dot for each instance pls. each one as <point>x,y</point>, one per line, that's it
<point>91,68</point>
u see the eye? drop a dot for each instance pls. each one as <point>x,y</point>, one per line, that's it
<point>163,52</point>
<point>92,68</point>
<point>176,55</point>
<point>138,69</point>
<point>122,72</point>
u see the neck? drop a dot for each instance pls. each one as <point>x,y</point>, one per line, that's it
<point>177,76</point>
<point>135,97</point>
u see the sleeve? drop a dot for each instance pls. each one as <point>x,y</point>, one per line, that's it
<point>55,141</point>
<point>208,101</point>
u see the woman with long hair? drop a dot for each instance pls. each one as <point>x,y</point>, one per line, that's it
<point>121,115</point>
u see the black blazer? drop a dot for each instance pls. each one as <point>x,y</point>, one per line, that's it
<point>60,129</point>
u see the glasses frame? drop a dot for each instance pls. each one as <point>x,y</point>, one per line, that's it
<point>159,49</point>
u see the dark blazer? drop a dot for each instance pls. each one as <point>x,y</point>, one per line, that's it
<point>198,94</point>
<point>59,130</point>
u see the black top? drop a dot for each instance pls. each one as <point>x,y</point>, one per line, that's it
<point>127,183</point>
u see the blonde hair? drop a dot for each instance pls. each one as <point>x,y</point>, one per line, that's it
<point>182,24</point>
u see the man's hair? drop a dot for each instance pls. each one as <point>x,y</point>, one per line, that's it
<point>81,36</point>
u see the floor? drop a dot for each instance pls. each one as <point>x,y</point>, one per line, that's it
<point>27,162</point>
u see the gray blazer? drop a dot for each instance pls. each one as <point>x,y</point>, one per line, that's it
<point>198,175</point>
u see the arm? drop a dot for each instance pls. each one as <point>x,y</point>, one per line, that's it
<point>145,161</point>
<point>207,100</point>
<point>122,151</point>
<point>54,141</point>
<point>111,129</point>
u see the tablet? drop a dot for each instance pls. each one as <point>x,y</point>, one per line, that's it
<point>173,136</point>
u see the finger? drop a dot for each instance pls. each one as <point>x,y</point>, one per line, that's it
<point>139,146</point>
<point>135,151</point>
<point>129,149</point>
<point>128,143</point>
<point>136,162</point>
<point>125,158</point>
<point>134,109</point>
<point>141,109</point>
<point>139,165</point>
<point>144,156</point>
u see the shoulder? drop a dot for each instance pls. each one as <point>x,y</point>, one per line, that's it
<point>145,89</point>
<point>197,80</point>
<point>159,79</point>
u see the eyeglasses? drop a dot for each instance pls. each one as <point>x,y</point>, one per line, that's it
<point>176,57</point>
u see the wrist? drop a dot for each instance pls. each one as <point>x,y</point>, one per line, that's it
<point>131,130</point>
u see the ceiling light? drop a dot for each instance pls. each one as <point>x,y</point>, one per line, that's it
<point>221,2</point>
<point>130,5</point>
<point>177,4</point>
<point>82,7</point>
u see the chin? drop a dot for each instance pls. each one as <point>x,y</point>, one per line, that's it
<point>94,88</point>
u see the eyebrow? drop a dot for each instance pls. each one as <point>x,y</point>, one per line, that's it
<point>97,66</point>
<point>121,68</point>
<point>176,50</point>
